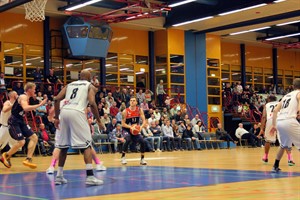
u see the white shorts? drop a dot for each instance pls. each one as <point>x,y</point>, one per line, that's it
<point>74,130</point>
<point>5,137</point>
<point>289,130</point>
<point>268,137</point>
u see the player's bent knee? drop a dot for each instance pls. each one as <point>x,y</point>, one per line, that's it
<point>21,143</point>
<point>83,150</point>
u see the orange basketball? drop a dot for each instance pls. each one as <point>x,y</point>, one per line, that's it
<point>135,130</point>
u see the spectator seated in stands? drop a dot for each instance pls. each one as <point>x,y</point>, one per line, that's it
<point>169,135</point>
<point>144,106</point>
<point>148,95</point>
<point>116,136</point>
<point>221,134</point>
<point>44,141</point>
<point>177,135</point>
<point>18,88</point>
<point>199,129</point>
<point>255,131</point>
<point>148,137</point>
<point>156,131</point>
<point>105,120</point>
<point>111,126</point>
<point>242,133</point>
<point>189,137</point>
<point>195,120</point>
<point>113,109</point>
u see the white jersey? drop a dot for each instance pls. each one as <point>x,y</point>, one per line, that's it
<point>77,96</point>
<point>269,109</point>
<point>289,106</point>
<point>4,116</point>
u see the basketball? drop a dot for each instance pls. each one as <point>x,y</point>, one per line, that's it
<point>135,129</point>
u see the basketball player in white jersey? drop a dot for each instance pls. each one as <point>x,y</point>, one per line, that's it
<point>5,114</point>
<point>287,122</point>
<point>266,125</point>
<point>74,125</point>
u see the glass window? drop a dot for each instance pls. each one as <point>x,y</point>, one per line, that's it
<point>248,77</point>
<point>280,80</point>
<point>225,67</point>
<point>268,71</point>
<point>213,91</point>
<point>93,65</point>
<point>258,87</point>
<point>177,88</point>
<point>258,79</point>
<point>35,61</point>
<point>111,67</point>
<point>34,50</point>
<point>124,78</point>
<point>225,76</point>
<point>288,73</point>
<point>280,72</point>
<point>100,32</point>
<point>161,59</point>
<point>14,71</point>
<point>112,78</point>
<point>177,79</point>
<point>77,31</point>
<point>236,76</point>
<point>124,68</point>
<point>112,57</point>
<point>74,65</point>
<point>257,70</point>
<point>13,60</point>
<point>56,63</point>
<point>269,79</point>
<point>161,70</point>
<point>214,100</point>
<point>213,62</point>
<point>176,59</point>
<point>142,60</point>
<point>297,74</point>
<point>235,68</point>
<point>213,81</point>
<point>213,72</point>
<point>248,69</point>
<point>12,48</point>
<point>126,58</point>
<point>177,68</point>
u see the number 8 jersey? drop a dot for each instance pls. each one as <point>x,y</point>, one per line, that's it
<point>289,106</point>
<point>77,96</point>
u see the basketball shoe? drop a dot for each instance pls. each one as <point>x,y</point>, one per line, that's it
<point>92,180</point>
<point>28,163</point>
<point>100,167</point>
<point>123,161</point>
<point>50,170</point>
<point>143,162</point>
<point>291,163</point>
<point>59,180</point>
<point>265,160</point>
<point>276,169</point>
<point>5,160</point>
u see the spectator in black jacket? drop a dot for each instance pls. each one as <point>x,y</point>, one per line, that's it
<point>221,134</point>
<point>189,137</point>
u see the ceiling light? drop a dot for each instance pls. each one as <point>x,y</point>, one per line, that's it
<point>252,30</point>
<point>243,9</point>
<point>278,1</point>
<point>82,5</point>
<point>286,23</point>
<point>193,21</point>
<point>181,3</point>
<point>283,36</point>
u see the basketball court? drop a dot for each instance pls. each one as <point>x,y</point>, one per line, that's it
<point>209,174</point>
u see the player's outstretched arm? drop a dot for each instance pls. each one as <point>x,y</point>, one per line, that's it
<point>23,100</point>
<point>61,95</point>
<point>7,106</point>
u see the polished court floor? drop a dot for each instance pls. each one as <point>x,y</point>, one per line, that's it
<point>209,174</point>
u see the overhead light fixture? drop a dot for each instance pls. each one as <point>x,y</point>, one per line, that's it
<point>180,3</point>
<point>286,23</point>
<point>82,5</point>
<point>193,21</point>
<point>283,36</point>
<point>252,30</point>
<point>243,9</point>
<point>279,1</point>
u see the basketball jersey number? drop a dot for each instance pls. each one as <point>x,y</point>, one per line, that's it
<point>272,107</point>
<point>286,103</point>
<point>74,93</point>
<point>133,120</point>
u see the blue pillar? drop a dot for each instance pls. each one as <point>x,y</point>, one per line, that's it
<point>47,46</point>
<point>151,60</point>
<point>243,65</point>
<point>102,71</point>
<point>275,67</point>
<point>196,76</point>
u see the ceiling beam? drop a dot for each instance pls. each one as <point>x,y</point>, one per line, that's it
<point>252,22</point>
<point>13,4</point>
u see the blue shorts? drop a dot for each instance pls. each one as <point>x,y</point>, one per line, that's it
<point>18,130</point>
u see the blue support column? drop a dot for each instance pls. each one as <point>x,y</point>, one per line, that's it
<point>275,67</point>
<point>47,46</point>
<point>196,78</point>
<point>151,60</point>
<point>102,71</point>
<point>243,65</point>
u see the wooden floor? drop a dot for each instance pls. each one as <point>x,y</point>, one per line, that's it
<point>234,159</point>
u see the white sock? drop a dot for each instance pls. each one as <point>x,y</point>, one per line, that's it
<point>60,171</point>
<point>89,166</point>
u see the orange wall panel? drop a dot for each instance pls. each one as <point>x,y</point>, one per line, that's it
<point>288,59</point>
<point>160,42</point>
<point>14,28</point>
<point>213,46</point>
<point>176,41</point>
<point>129,41</point>
<point>230,53</point>
<point>258,56</point>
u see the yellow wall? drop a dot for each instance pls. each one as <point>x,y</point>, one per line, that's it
<point>160,42</point>
<point>176,41</point>
<point>213,46</point>
<point>288,59</point>
<point>129,41</point>
<point>230,53</point>
<point>14,28</point>
<point>258,56</point>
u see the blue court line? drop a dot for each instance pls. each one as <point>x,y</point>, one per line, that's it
<point>123,180</point>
